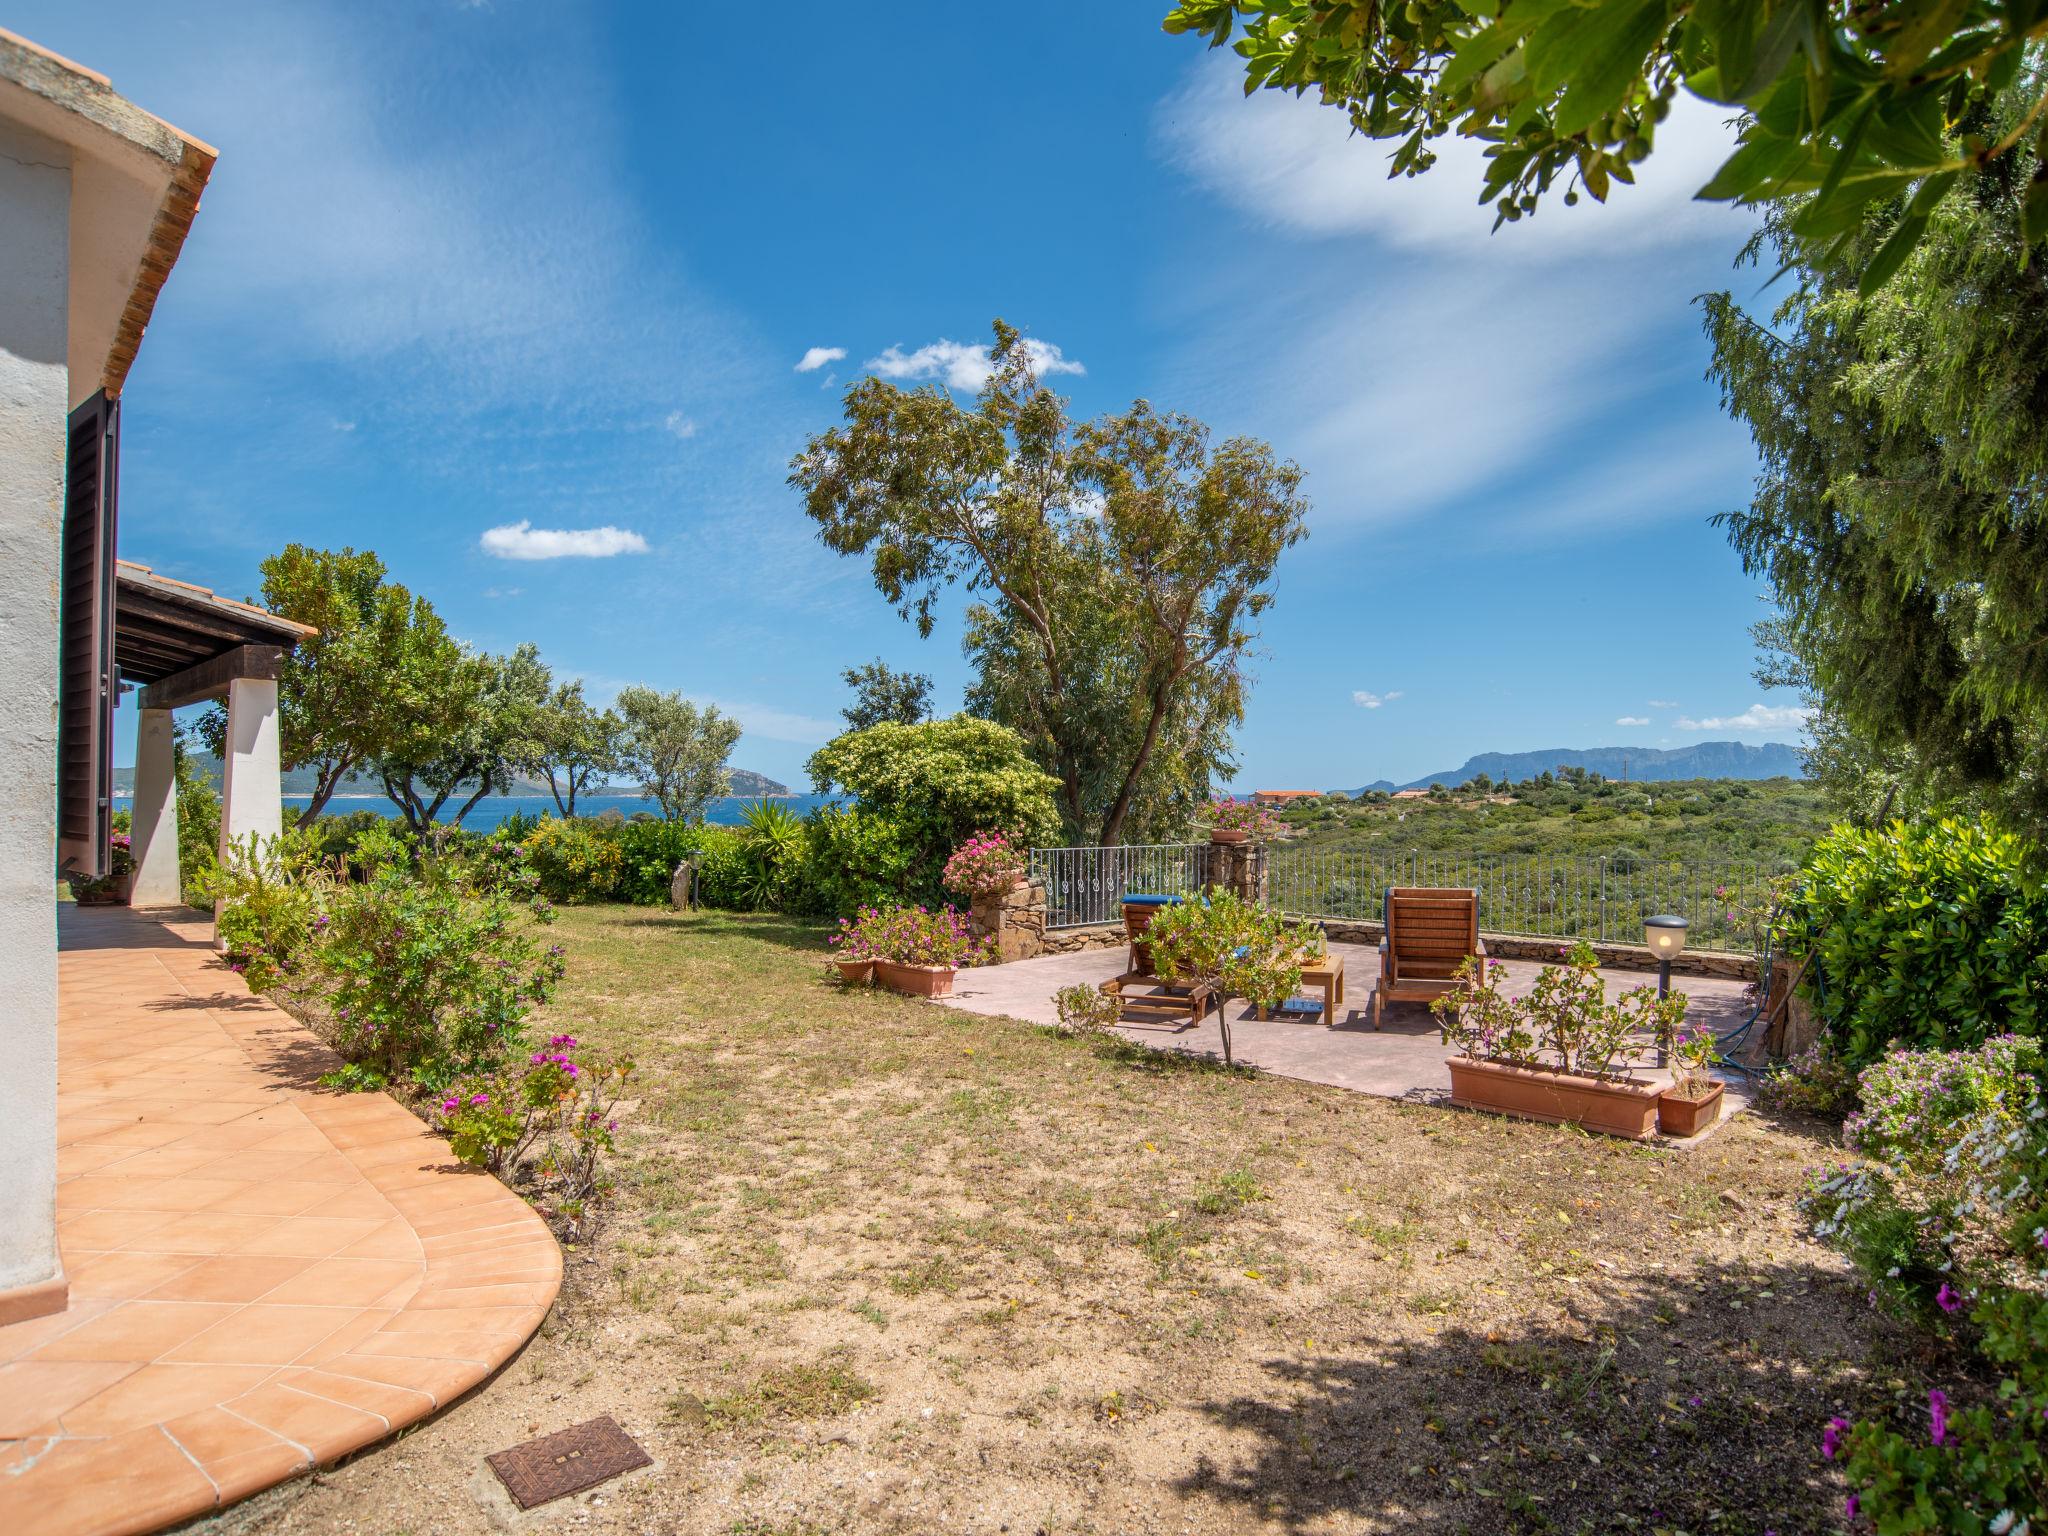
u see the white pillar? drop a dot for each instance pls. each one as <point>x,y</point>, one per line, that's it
<point>153,832</point>
<point>35,287</point>
<point>252,782</point>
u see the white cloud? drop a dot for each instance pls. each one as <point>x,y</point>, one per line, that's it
<point>523,541</point>
<point>817,357</point>
<point>344,426</point>
<point>1663,703</point>
<point>680,425</point>
<point>1758,717</point>
<point>1366,700</point>
<point>1631,720</point>
<point>962,366</point>
<point>772,723</point>
<point>502,592</point>
<point>1294,163</point>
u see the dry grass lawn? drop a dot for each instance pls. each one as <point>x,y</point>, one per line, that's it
<point>878,1266</point>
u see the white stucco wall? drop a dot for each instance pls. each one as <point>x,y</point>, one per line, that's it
<point>35,213</point>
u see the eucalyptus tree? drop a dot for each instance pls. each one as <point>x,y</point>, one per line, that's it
<point>1844,108</point>
<point>1120,566</point>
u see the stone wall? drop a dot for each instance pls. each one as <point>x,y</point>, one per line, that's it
<point>1621,957</point>
<point>1013,919</point>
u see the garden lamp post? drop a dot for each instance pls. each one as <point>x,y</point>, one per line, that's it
<point>1666,937</point>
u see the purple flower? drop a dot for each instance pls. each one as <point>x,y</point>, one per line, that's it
<point>1937,1416</point>
<point>1831,1437</point>
<point>1948,1298</point>
<point>1849,1507</point>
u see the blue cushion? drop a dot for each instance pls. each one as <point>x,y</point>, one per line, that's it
<point>1134,900</point>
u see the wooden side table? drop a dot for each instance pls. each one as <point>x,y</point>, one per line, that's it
<point>1328,974</point>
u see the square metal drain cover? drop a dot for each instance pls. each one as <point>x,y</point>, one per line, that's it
<point>568,1461</point>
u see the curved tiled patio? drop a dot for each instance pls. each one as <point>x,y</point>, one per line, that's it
<point>265,1275</point>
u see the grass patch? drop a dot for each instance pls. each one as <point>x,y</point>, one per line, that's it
<point>795,1392</point>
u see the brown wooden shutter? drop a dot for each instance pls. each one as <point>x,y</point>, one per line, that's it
<point>85,679</point>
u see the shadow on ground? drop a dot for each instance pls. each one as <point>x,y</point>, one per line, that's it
<point>1676,1405</point>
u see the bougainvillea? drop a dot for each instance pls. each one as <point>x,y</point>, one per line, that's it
<point>910,936</point>
<point>987,864</point>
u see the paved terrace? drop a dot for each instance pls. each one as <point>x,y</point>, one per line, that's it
<point>1404,1059</point>
<point>265,1275</point>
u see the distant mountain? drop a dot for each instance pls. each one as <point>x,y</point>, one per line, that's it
<point>1703,760</point>
<point>299,781</point>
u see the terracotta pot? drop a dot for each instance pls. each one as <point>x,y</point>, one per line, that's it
<point>1228,835</point>
<point>1619,1109</point>
<point>856,973</point>
<point>1680,1116</point>
<point>915,980</point>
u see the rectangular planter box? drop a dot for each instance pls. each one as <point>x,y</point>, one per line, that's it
<point>1618,1109</point>
<point>916,980</point>
<point>1678,1116</point>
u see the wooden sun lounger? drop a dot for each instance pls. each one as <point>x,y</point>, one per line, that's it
<point>1430,933</point>
<point>1164,1004</point>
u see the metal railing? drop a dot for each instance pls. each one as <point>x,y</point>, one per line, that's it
<point>1604,899</point>
<point>1601,898</point>
<point>1087,885</point>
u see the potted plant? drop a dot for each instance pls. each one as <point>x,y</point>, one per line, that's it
<point>987,864</point>
<point>913,950</point>
<point>1225,942</point>
<point>110,889</point>
<point>1563,1053</point>
<point>1693,1101</point>
<point>1239,821</point>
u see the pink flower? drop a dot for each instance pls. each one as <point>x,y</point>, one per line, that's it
<point>1831,1437</point>
<point>1937,1416</point>
<point>1948,1298</point>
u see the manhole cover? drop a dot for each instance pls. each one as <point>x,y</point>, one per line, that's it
<point>568,1461</point>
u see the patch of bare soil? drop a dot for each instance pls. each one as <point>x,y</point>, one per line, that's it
<point>877,1266</point>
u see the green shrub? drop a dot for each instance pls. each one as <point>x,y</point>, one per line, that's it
<point>576,859</point>
<point>650,850</point>
<point>854,859</point>
<point>1927,933</point>
<point>430,978</point>
<point>271,897</point>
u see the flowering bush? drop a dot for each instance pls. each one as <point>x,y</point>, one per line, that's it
<point>1565,1022</point>
<point>544,1125</point>
<point>1949,1218</point>
<point>985,865</point>
<point>1816,1082</point>
<point>120,866</point>
<point>1085,1010</point>
<point>1232,815</point>
<point>910,936</point>
<point>431,977</point>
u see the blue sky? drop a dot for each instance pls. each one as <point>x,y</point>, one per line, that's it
<point>468,267</point>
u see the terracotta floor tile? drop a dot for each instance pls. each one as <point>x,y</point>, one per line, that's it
<point>264,1334</point>
<point>442,1380</point>
<point>181,1192</point>
<point>390,1240</point>
<point>274,1197</point>
<point>325,1428</point>
<point>126,1275</point>
<point>313,1237</point>
<point>34,1394</point>
<point>208,1233</point>
<point>102,1231</point>
<point>137,1481</point>
<point>395,1405</point>
<point>235,1277</point>
<point>345,1338</point>
<point>513,1294</point>
<point>341,1282</point>
<point>352,1200</point>
<point>239,1456</point>
<point>153,1393</point>
<point>137,1331</point>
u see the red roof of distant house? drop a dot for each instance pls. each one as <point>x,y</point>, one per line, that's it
<point>1282,796</point>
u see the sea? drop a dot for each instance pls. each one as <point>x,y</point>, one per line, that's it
<point>493,809</point>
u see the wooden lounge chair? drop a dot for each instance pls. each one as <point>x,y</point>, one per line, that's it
<point>1430,933</point>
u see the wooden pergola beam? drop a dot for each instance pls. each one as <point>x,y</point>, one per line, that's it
<point>210,679</point>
